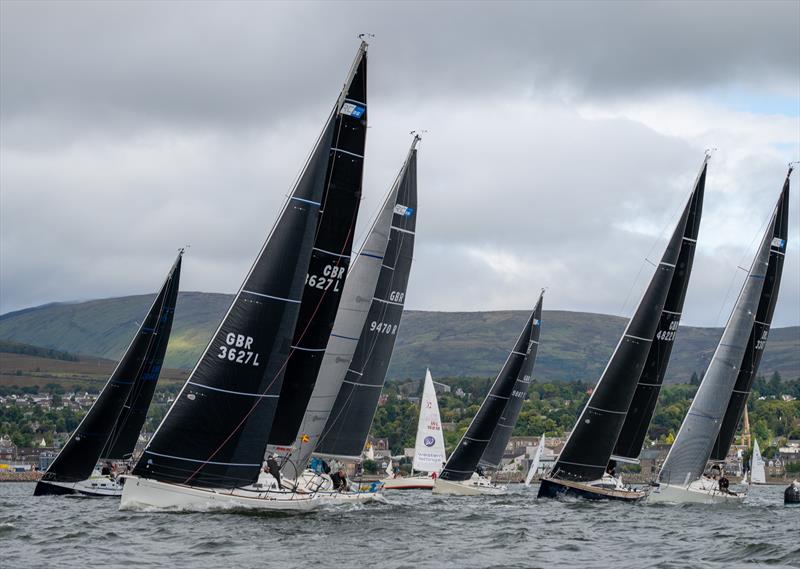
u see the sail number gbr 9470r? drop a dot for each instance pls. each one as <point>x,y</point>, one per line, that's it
<point>238,350</point>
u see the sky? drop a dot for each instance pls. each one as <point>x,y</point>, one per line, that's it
<point>562,140</point>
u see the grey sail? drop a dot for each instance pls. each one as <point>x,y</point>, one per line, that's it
<point>590,444</point>
<point>359,289</point>
<point>692,448</point>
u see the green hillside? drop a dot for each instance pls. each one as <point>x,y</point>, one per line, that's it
<point>574,345</point>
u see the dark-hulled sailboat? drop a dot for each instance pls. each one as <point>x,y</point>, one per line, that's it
<point>682,476</point>
<point>111,427</point>
<point>459,475</point>
<point>210,447</point>
<point>584,467</point>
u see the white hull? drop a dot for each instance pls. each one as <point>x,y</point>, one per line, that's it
<point>698,492</point>
<point>467,488</point>
<point>102,487</point>
<point>142,493</point>
<point>409,483</point>
<point>349,497</point>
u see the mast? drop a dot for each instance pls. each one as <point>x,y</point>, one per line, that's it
<point>141,362</point>
<point>589,446</point>
<point>694,443</point>
<point>351,416</point>
<point>464,460</point>
<point>216,431</point>
<point>355,304</point>
<point>761,326</point>
<point>493,455</point>
<point>330,257</point>
<point>640,412</point>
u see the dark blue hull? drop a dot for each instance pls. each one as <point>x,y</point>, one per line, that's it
<point>791,495</point>
<point>550,488</point>
<point>45,489</point>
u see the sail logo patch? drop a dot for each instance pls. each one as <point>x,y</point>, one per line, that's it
<point>536,322</point>
<point>778,242</point>
<point>429,441</point>
<point>400,209</point>
<point>353,110</point>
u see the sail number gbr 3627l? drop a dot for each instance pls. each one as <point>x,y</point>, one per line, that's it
<point>238,350</point>
<point>331,275</point>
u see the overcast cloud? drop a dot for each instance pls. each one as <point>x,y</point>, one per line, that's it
<point>563,140</point>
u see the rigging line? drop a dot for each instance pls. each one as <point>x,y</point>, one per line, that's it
<point>299,340</point>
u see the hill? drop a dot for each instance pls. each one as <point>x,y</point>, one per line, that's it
<point>574,345</point>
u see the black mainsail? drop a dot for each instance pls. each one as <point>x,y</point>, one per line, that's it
<point>100,433</point>
<point>589,446</point>
<point>464,460</point>
<point>350,418</point>
<point>330,259</point>
<point>216,431</point>
<point>758,336</point>
<point>493,454</point>
<point>640,413</point>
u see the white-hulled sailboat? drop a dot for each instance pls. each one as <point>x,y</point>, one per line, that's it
<point>209,449</point>
<point>682,477</point>
<point>537,457</point>
<point>758,474</point>
<point>429,451</point>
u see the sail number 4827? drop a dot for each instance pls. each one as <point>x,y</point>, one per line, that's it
<point>237,350</point>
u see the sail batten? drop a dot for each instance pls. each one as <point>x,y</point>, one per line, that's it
<point>111,427</point>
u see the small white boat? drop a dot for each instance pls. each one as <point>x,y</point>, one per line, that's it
<point>702,491</point>
<point>97,485</point>
<point>758,474</point>
<point>474,486</point>
<point>537,457</point>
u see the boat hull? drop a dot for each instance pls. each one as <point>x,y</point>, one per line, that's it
<point>409,483</point>
<point>692,494</point>
<point>99,488</point>
<point>552,488</point>
<point>466,488</point>
<point>791,496</point>
<point>143,493</point>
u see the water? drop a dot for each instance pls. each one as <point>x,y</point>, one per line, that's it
<point>412,530</point>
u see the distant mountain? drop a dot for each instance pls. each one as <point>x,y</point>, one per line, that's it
<point>574,345</point>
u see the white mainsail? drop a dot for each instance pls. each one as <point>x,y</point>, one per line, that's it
<point>757,473</point>
<point>429,453</point>
<point>535,464</point>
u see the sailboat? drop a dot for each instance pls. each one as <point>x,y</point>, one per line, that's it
<point>537,457</point>
<point>350,417</point>
<point>462,474</point>
<point>585,467</point>
<point>429,451</point>
<point>209,449</point>
<point>681,478</point>
<point>757,472</point>
<point>360,294</point>
<point>111,427</point>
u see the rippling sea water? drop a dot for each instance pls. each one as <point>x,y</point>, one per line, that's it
<point>411,529</point>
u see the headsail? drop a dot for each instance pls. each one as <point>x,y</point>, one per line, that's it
<point>493,454</point>
<point>429,452</point>
<point>640,413</point>
<point>464,460</point>
<point>590,444</point>
<point>105,423</point>
<point>330,257</point>
<point>757,473</point>
<point>537,457</point>
<point>353,309</point>
<point>350,418</point>
<point>693,444</point>
<point>761,326</point>
<point>216,431</point>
